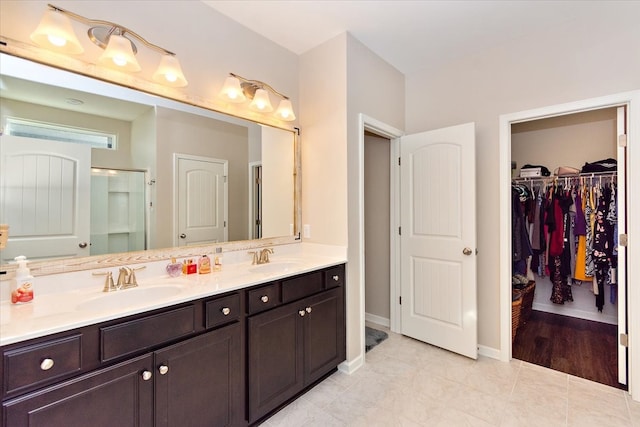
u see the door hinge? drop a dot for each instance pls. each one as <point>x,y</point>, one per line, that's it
<point>624,340</point>
<point>399,162</point>
<point>623,240</point>
<point>400,298</point>
<point>225,178</point>
<point>225,223</point>
<point>400,231</point>
<point>622,140</point>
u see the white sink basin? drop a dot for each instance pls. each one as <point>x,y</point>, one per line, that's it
<point>276,267</point>
<point>130,297</point>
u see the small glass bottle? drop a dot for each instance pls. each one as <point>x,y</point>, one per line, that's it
<point>204,265</point>
<point>174,268</point>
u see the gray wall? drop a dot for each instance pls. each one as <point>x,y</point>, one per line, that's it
<point>576,61</point>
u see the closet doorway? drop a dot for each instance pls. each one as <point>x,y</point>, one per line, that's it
<point>377,202</point>
<point>568,314</point>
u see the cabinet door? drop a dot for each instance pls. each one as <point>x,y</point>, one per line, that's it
<point>324,334</point>
<point>275,358</point>
<point>115,396</point>
<point>198,381</point>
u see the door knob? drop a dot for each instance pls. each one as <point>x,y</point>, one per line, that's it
<point>183,236</point>
<point>82,245</point>
<point>467,251</point>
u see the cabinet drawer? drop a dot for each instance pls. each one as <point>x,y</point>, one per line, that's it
<point>263,298</point>
<point>141,334</point>
<point>334,277</point>
<point>42,363</point>
<point>222,310</point>
<point>302,286</point>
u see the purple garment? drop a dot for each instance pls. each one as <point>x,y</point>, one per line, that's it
<point>580,228</point>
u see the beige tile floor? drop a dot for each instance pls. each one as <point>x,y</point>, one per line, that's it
<point>408,383</point>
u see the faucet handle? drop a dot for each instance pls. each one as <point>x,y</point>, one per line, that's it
<point>254,257</point>
<point>129,280</point>
<point>132,282</point>
<point>108,283</point>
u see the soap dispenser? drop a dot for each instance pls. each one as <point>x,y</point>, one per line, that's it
<point>22,289</point>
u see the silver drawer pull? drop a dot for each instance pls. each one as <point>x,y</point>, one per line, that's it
<point>336,278</point>
<point>46,364</point>
<point>301,313</point>
<point>308,309</point>
<point>264,298</point>
<point>146,375</point>
<point>163,369</point>
<point>226,311</point>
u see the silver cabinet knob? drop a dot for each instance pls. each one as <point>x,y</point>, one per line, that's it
<point>467,251</point>
<point>301,313</point>
<point>336,278</point>
<point>226,311</point>
<point>146,375</point>
<point>163,369</point>
<point>264,298</point>
<point>46,364</point>
<point>308,309</point>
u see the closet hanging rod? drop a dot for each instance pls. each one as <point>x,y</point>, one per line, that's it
<point>565,177</point>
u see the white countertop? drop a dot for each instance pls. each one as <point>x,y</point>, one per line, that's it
<point>68,301</point>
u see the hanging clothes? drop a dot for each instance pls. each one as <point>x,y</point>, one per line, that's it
<point>559,248</point>
<point>603,244</point>
<point>580,231</point>
<point>521,247</point>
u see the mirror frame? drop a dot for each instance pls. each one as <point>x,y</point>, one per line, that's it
<point>77,67</point>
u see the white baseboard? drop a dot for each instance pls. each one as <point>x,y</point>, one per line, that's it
<point>492,353</point>
<point>567,310</point>
<point>349,367</point>
<point>378,320</point>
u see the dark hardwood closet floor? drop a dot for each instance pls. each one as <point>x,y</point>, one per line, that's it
<point>578,347</point>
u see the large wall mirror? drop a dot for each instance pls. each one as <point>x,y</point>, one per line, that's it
<point>92,169</point>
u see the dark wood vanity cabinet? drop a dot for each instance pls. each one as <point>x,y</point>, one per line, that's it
<point>293,345</point>
<point>195,382</point>
<point>202,385</point>
<point>185,365</point>
<point>114,396</point>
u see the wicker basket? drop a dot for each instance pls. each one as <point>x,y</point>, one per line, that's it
<point>516,311</point>
<point>527,302</point>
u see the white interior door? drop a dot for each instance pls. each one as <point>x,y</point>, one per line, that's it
<point>201,211</point>
<point>622,250</point>
<point>438,238</point>
<point>44,197</point>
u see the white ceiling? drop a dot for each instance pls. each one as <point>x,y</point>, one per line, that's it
<point>410,35</point>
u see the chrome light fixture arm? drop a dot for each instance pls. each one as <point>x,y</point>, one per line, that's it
<point>112,27</point>
<point>252,85</point>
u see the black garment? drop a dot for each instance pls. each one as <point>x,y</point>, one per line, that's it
<point>605,165</point>
<point>602,245</point>
<point>521,246</point>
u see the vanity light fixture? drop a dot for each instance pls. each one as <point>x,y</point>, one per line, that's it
<point>56,33</point>
<point>237,89</point>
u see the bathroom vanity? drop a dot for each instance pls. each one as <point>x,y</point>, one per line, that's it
<point>228,357</point>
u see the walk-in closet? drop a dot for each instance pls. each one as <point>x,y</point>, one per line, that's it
<point>566,203</point>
